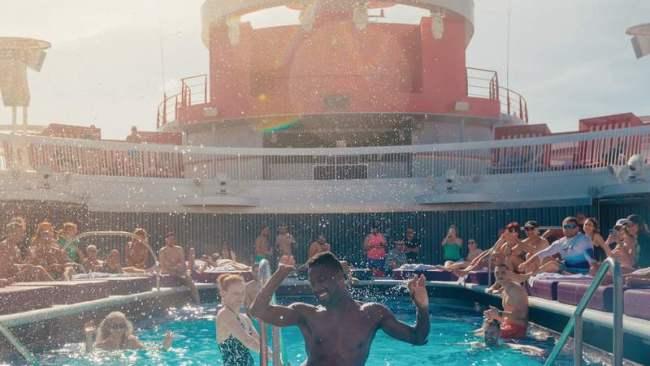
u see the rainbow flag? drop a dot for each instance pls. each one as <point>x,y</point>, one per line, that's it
<point>277,124</point>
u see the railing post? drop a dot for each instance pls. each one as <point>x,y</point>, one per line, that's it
<point>577,341</point>
<point>205,89</point>
<point>617,332</point>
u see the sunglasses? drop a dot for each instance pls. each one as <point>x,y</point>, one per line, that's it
<point>117,326</point>
<point>512,230</point>
<point>569,226</point>
<point>530,228</point>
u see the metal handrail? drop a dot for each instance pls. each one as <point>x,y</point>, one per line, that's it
<point>264,274</point>
<point>27,355</point>
<point>120,233</point>
<point>575,322</point>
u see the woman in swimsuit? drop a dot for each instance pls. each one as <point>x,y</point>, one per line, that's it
<point>115,332</point>
<point>236,335</point>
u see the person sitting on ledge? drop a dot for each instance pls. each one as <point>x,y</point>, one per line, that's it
<point>473,253</point>
<point>172,262</point>
<point>341,330</point>
<point>11,268</point>
<point>45,252</point>
<point>115,332</point>
<point>113,264</point>
<point>75,251</point>
<point>92,263</point>
<point>638,278</point>
<point>513,319</point>
<point>574,249</point>
<point>137,250</point>
<point>396,257</point>
<point>498,254</point>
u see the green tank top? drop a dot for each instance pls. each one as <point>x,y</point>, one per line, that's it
<point>451,252</point>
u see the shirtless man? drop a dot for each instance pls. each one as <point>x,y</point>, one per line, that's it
<point>341,330</point>
<point>45,252</point>
<point>262,245</point>
<point>11,268</point>
<point>514,317</point>
<point>498,254</point>
<point>521,250</point>
<point>575,250</point>
<point>137,251</point>
<point>172,262</point>
<point>319,246</point>
<point>285,241</point>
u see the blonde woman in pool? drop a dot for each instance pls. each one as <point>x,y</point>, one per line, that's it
<point>115,332</point>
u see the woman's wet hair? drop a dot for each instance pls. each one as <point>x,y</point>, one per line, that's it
<point>224,282</point>
<point>103,330</point>
<point>325,259</point>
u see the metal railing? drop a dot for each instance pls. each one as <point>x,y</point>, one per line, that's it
<point>575,322</point>
<point>566,152</point>
<point>194,91</point>
<point>264,274</point>
<point>126,234</point>
<point>24,352</point>
<point>482,83</point>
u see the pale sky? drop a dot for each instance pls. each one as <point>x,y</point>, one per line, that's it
<point>571,59</point>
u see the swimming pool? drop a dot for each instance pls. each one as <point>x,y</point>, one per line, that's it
<point>450,343</point>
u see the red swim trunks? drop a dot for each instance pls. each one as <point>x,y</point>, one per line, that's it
<point>513,331</point>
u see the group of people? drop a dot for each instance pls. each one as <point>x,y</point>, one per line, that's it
<point>285,244</point>
<point>577,250</point>
<point>46,257</point>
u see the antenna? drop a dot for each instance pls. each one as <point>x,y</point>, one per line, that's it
<point>162,49</point>
<point>508,45</point>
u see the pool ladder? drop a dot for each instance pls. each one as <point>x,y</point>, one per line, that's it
<point>575,322</point>
<point>27,355</point>
<point>264,274</point>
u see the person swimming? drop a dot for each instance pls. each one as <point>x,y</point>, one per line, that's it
<point>236,335</point>
<point>492,339</point>
<point>341,330</point>
<point>115,332</point>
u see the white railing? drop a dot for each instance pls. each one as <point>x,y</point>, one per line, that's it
<point>542,154</point>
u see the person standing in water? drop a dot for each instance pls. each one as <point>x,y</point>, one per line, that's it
<point>236,335</point>
<point>513,320</point>
<point>341,330</point>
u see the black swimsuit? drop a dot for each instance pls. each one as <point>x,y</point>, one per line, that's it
<point>234,353</point>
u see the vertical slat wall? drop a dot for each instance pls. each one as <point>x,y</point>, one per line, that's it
<point>612,210</point>
<point>207,232</point>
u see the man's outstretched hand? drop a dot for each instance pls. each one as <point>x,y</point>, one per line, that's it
<point>287,264</point>
<point>417,288</point>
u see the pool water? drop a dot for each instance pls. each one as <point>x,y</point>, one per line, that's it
<point>450,343</point>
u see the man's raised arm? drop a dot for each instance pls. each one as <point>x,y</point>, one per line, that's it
<point>281,316</point>
<point>416,335</point>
